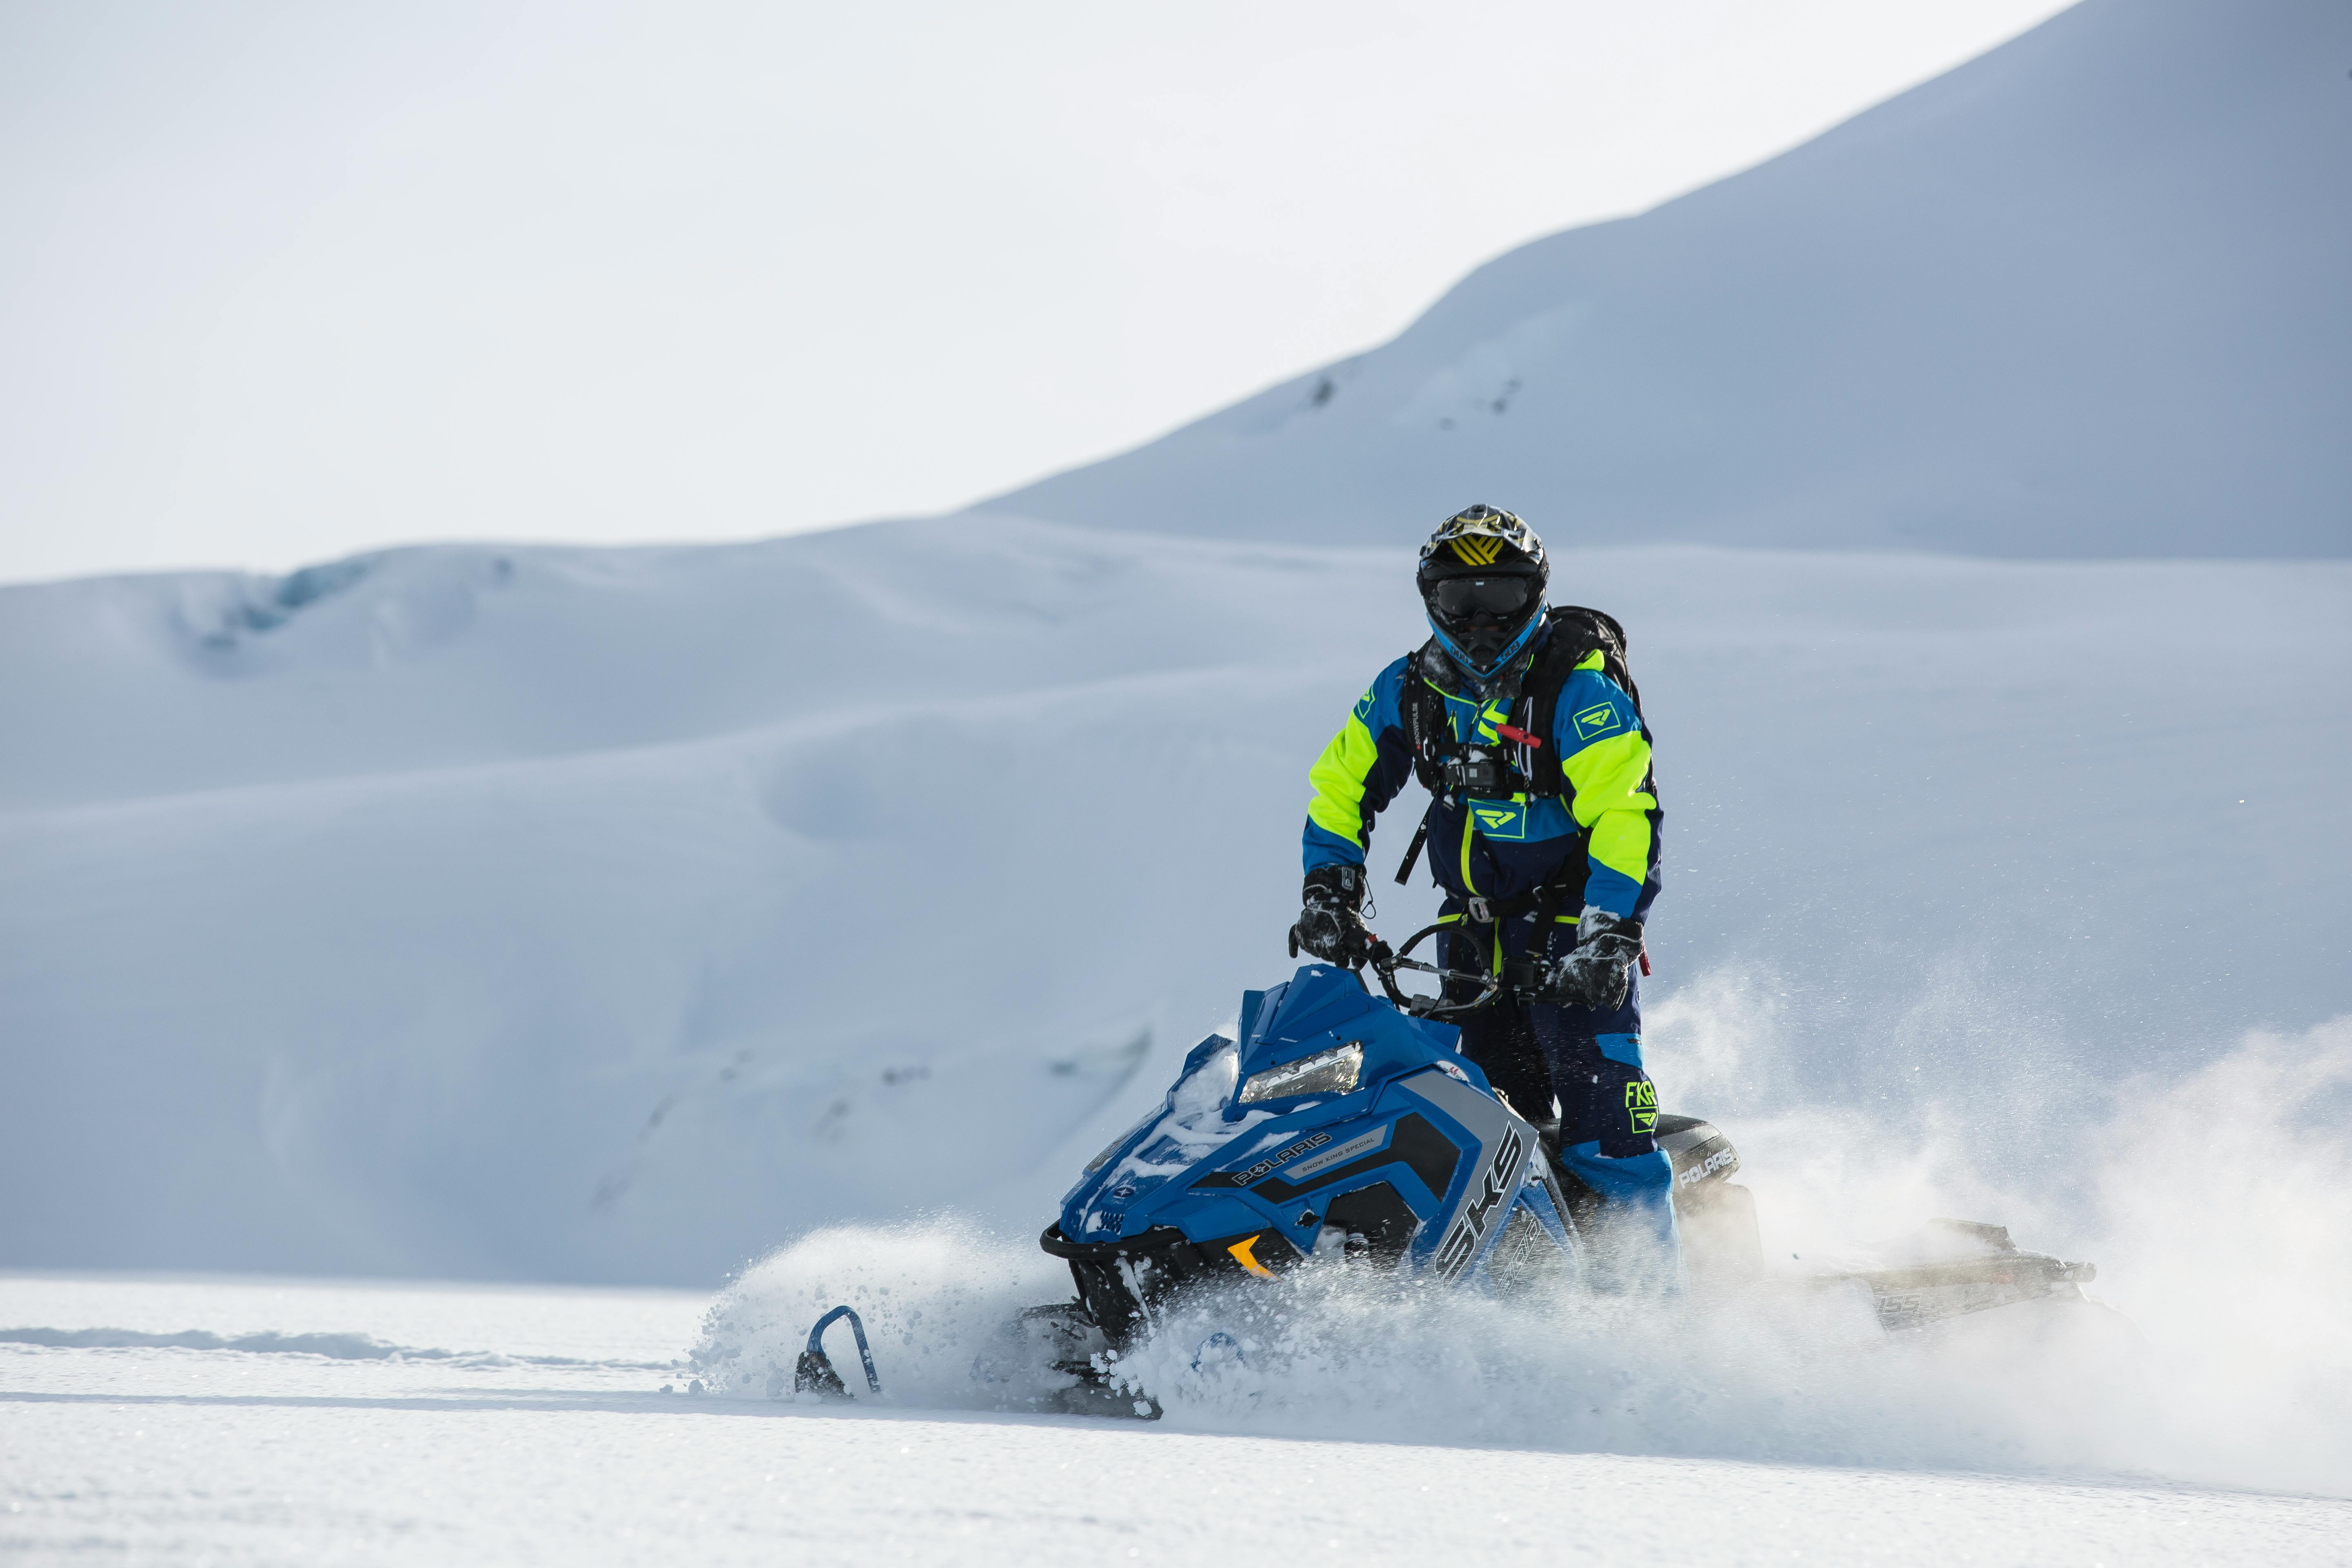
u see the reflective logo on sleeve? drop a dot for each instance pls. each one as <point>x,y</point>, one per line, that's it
<point>1596,721</point>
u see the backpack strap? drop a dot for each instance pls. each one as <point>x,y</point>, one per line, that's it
<point>1577,634</point>
<point>1427,730</point>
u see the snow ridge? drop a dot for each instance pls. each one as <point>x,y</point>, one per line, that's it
<point>2079,298</point>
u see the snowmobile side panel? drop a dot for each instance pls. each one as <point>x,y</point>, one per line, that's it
<point>1380,1216</point>
<point>1507,1154</point>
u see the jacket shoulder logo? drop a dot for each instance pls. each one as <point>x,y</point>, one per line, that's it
<point>1596,720</point>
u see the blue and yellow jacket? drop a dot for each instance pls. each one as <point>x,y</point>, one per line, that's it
<point>1607,814</point>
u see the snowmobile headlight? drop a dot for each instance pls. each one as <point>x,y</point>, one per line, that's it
<point>1325,1072</point>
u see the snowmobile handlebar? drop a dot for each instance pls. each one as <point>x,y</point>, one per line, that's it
<point>1386,960</point>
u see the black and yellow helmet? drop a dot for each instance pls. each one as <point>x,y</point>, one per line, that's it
<point>1483,575</point>
<point>1483,536</point>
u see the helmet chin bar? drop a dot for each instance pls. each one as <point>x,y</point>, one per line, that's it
<point>1485,671</point>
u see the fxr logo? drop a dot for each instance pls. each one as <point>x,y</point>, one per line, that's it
<point>1501,818</point>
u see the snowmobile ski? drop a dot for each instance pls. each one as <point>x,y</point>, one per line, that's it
<point>814,1374</point>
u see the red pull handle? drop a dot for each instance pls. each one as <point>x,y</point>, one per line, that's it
<point>1512,731</point>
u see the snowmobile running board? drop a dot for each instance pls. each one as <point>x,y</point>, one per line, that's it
<point>815,1373</point>
<point>1916,1295</point>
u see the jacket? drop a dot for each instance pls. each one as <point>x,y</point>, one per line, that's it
<point>1600,836</point>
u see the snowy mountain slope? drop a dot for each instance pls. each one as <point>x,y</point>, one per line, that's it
<point>2081,298</point>
<point>547,913</point>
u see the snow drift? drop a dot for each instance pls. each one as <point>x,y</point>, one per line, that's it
<point>2082,296</point>
<point>579,914</point>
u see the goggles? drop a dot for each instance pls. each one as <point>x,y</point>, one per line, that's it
<point>1462,598</point>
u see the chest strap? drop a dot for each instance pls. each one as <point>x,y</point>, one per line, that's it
<point>1543,901</point>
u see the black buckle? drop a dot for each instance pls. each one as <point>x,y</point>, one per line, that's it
<point>1526,975</point>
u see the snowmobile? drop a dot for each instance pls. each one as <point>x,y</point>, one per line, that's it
<point>1342,1124</point>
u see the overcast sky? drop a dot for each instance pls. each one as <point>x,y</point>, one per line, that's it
<point>282,281</point>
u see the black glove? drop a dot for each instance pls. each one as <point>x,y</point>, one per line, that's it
<point>1594,975</point>
<point>1328,925</point>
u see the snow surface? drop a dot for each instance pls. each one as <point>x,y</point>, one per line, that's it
<point>561,914</point>
<point>527,1426</point>
<point>535,1432</point>
<point>2082,297</point>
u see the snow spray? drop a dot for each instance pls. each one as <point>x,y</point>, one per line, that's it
<point>2218,1205</point>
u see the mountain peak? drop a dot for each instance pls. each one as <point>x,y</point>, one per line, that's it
<point>2081,297</point>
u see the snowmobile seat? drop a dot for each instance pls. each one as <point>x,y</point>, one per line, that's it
<point>1716,1215</point>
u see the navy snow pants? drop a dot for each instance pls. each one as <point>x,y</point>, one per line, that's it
<point>1585,1067</point>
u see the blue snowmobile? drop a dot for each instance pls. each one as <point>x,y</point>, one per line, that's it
<point>1336,1119</point>
<point>1342,1125</point>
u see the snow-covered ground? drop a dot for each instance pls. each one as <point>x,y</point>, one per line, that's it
<point>790,920</point>
<point>519,1426</point>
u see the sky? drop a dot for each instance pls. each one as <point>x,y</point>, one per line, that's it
<point>280,282</point>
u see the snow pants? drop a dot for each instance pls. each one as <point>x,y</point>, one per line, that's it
<point>1581,1068</point>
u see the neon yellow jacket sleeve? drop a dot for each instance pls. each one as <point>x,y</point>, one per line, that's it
<point>1606,762</point>
<point>1338,780</point>
<point>1358,774</point>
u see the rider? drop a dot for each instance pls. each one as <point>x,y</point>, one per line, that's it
<point>1523,844</point>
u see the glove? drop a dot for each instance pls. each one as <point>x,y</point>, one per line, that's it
<point>1593,973</point>
<point>1328,925</point>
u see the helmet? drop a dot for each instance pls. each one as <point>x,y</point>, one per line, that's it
<point>1482,578</point>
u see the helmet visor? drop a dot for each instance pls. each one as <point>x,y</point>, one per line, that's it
<point>1483,598</point>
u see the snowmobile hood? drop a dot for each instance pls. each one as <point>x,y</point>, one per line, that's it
<point>1171,1168</point>
<point>1321,1008</point>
